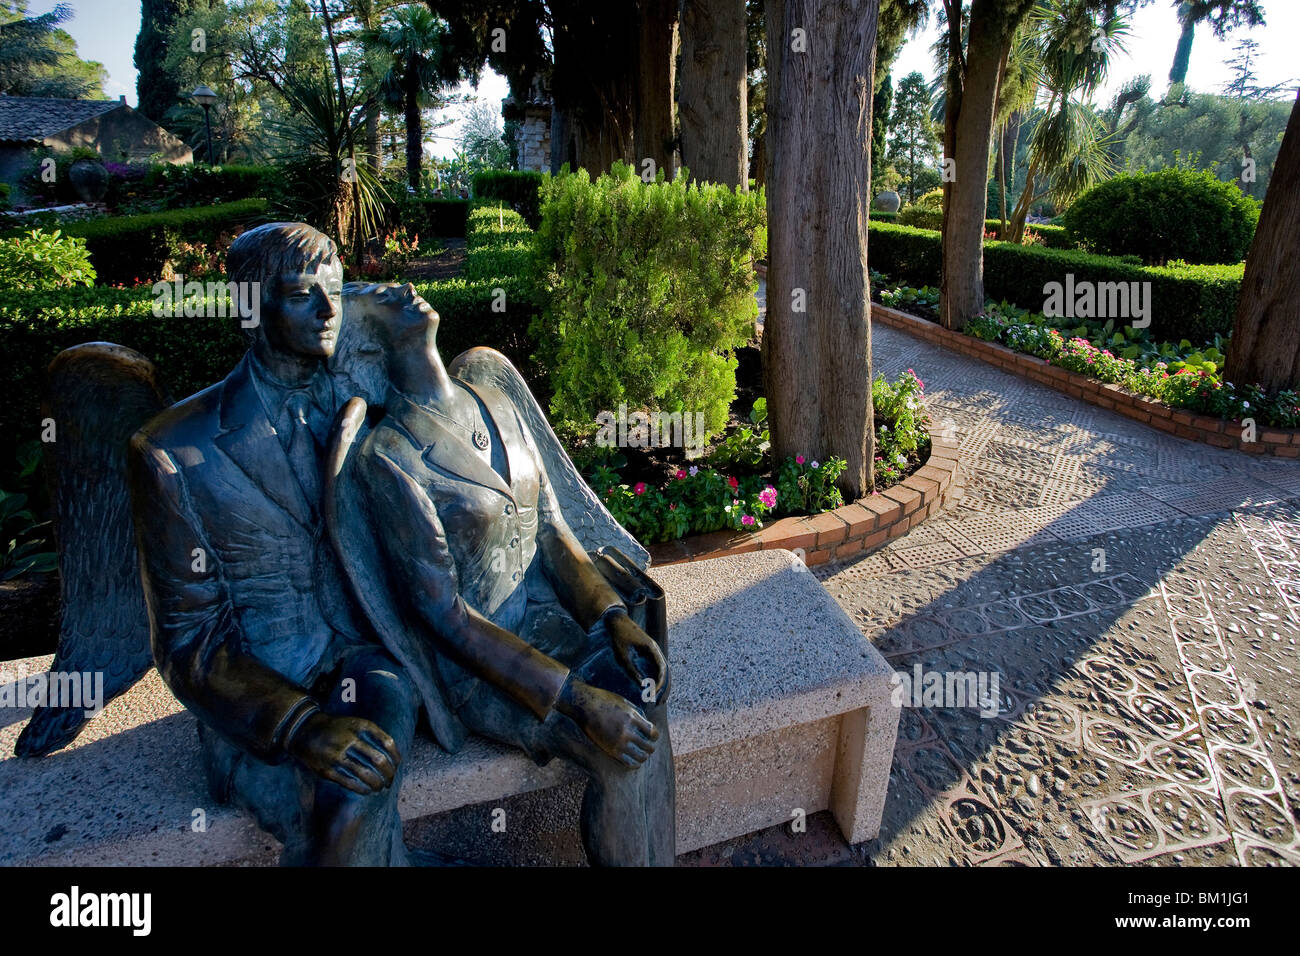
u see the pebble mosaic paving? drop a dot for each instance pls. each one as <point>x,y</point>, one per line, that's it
<point>1138,598</point>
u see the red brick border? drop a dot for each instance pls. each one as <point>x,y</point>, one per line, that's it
<point>1280,442</point>
<point>844,532</point>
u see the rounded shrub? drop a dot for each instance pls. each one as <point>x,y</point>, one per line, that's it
<point>1168,214</point>
<point>925,213</point>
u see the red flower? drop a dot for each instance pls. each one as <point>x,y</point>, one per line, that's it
<point>681,473</point>
<point>639,488</point>
<point>732,482</point>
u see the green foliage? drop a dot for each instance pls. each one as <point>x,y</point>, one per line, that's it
<point>925,213</point>
<point>1215,130</point>
<point>914,140</point>
<point>879,215</point>
<point>44,260</point>
<point>197,184</point>
<point>1169,214</point>
<point>157,89</point>
<point>650,289</point>
<point>745,446</point>
<point>24,548</point>
<point>902,435</point>
<point>517,189</point>
<point>129,250</point>
<point>37,58</point>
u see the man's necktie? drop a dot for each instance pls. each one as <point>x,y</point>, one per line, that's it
<point>303,453</point>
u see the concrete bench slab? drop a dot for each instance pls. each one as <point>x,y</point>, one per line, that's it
<point>779,704</point>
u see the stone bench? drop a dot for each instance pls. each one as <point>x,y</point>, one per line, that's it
<point>778,704</point>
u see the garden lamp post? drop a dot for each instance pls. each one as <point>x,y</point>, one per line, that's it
<point>207,98</point>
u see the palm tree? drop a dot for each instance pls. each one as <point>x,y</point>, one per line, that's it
<point>413,36</point>
<point>1069,140</point>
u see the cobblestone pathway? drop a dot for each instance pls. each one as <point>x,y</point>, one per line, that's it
<point>1136,596</point>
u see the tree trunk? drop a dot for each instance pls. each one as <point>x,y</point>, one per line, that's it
<point>414,129</point>
<point>817,335</point>
<point>1002,183</point>
<point>968,124</point>
<point>712,102</point>
<point>1265,348</point>
<point>1183,52</point>
<point>561,139</point>
<point>654,128</point>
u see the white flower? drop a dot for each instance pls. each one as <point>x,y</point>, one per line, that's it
<point>901,459</point>
<point>815,466</point>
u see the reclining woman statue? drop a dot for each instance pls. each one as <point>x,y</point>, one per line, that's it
<point>451,533</point>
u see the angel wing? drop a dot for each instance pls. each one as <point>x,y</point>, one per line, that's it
<point>590,520</point>
<point>99,395</point>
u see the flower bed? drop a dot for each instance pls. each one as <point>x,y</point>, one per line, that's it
<point>1282,443</point>
<point>736,487</point>
<point>1180,375</point>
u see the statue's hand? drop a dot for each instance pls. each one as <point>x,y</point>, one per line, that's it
<point>611,723</point>
<point>627,638</point>
<point>350,751</point>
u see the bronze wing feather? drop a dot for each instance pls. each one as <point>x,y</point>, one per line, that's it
<point>99,395</point>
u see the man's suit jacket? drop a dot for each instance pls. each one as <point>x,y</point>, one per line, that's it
<point>460,543</point>
<point>246,603</point>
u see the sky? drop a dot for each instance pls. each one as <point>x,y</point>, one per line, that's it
<point>105,31</point>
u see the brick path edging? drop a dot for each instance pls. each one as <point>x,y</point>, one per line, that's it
<point>1279,442</point>
<point>848,530</point>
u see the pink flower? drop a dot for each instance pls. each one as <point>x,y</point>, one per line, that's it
<point>799,459</point>
<point>672,507</point>
<point>732,482</point>
<point>639,488</point>
<point>746,519</point>
<point>681,473</point>
<point>768,496</point>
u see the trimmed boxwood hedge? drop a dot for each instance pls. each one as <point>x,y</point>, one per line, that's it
<point>130,250</point>
<point>1192,302</point>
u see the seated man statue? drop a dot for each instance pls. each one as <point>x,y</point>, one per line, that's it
<point>304,717</point>
<point>451,532</point>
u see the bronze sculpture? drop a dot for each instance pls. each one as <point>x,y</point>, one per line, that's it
<point>495,609</point>
<point>480,579</point>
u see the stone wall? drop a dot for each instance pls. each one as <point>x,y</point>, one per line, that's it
<point>533,141</point>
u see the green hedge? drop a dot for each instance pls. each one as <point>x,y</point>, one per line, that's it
<point>131,250</point>
<point>881,216</point>
<point>191,353</point>
<point>494,301</point>
<point>518,190</point>
<point>1192,302</point>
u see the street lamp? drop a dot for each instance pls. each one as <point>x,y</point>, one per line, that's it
<point>206,97</point>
